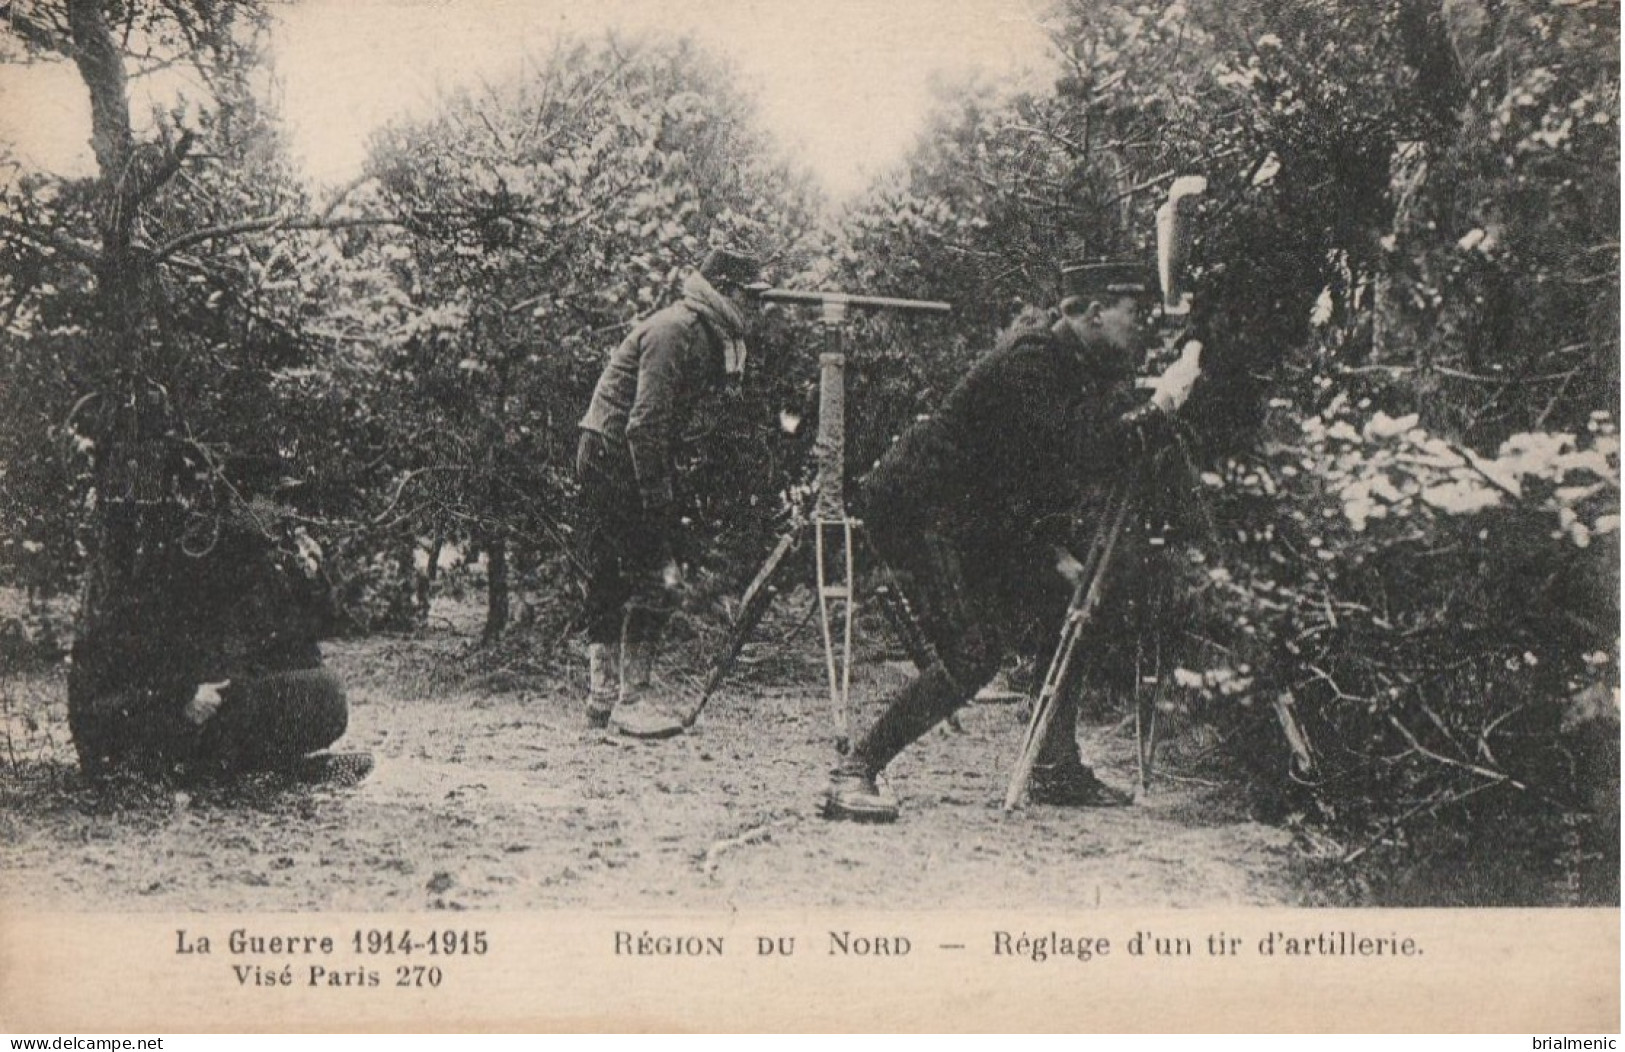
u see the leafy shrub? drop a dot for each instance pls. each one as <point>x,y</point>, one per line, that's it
<point>1399,626</point>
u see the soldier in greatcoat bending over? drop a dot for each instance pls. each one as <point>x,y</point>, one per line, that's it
<point>972,512</point>
<point>630,521</point>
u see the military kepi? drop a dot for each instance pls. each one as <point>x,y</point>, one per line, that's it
<point>1107,278</point>
<point>726,266</point>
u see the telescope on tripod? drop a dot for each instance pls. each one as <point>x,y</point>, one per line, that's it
<point>832,529</point>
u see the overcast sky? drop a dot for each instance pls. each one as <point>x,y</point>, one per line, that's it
<point>844,82</point>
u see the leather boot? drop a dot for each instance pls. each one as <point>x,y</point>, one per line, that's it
<point>640,715</point>
<point>854,795</point>
<point>601,683</point>
<point>1060,777</point>
<point>1074,785</point>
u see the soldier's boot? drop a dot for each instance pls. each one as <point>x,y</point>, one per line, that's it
<point>1060,777</point>
<point>640,714</point>
<point>602,685</point>
<point>854,795</point>
<point>332,768</point>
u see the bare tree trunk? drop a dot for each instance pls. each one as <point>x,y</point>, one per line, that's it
<point>496,587</point>
<point>126,480</point>
<point>431,574</point>
<point>401,606</point>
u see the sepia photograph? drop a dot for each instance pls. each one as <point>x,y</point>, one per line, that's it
<point>832,516</point>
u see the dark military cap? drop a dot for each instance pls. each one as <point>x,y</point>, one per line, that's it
<point>1107,278</point>
<point>726,266</point>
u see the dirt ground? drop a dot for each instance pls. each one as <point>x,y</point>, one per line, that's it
<point>490,793</point>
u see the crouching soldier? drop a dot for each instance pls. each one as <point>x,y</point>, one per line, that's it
<point>624,462</point>
<point>203,664</point>
<point>972,511</point>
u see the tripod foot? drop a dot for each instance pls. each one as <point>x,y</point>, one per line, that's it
<point>647,722</point>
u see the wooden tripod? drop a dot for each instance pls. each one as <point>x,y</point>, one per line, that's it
<point>833,530</point>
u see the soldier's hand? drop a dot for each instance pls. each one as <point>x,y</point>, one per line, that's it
<point>673,545</point>
<point>1068,566</point>
<point>1147,426</point>
<point>205,703</point>
<point>1171,390</point>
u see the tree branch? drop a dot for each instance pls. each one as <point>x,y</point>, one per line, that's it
<point>28,285</point>
<point>52,239</point>
<point>37,27</point>
<point>496,136</point>
<point>1149,184</point>
<point>1482,772</point>
<point>266,223</point>
<point>569,120</point>
<point>344,192</point>
<point>147,66</point>
<point>171,163</point>
<point>1077,149</point>
<point>1429,805</point>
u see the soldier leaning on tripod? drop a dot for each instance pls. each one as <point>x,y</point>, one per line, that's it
<point>971,511</point>
<point>630,524</point>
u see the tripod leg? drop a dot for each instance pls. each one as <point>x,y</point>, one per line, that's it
<point>1153,731</point>
<point>1044,710</point>
<point>1146,703</point>
<point>844,721</point>
<point>835,599</point>
<point>1085,600</point>
<point>752,606</point>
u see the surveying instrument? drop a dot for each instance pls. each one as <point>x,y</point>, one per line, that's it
<point>833,531</point>
<point>1173,244</point>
